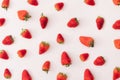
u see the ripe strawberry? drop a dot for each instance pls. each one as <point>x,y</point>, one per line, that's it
<point>8,40</point>
<point>43,21</point>
<point>117,43</point>
<point>46,66</point>
<point>2,21</point>
<point>5,4</point>
<point>26,34</point>
<point>7,73</point>
<point>23,15</point>
<point>90,2</point>
<point>60,39</point>
<point>116,73</point>
<point>99,61</point>
<point>73,23</point>
<point>84,56</point>
<point>43,47</point>
<point>87,41</point>
<point>58,6</point>
<point>116,2</point>
<point>4,55</point>
<point>26,75</point>
<point>33,2</point>
<point>65,59</point>
<point>21,53</point>
<point>116,25</point>
<point>99,22</point>
<point>61,76</point>
<point>88,75</point>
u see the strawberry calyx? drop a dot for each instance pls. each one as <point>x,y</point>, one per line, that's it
<point>27,17</point>
<point>92,44</point>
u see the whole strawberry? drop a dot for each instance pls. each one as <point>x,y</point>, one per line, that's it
<point>7,73</point>
<point>46,66</point>
<point>73,23</point>
<point>99,22</point>
<point>60,39</point>
<point>88,75</point>
<point>58,6</point>
<point>84,56</point>
<point>117,43</point>
<point>43,21</point>
<point>21,53</point>
<point>5,4</point>
<point>23,15</point>
<point>61,76</point>
<point>116,25</point>
<point>116,2</point>
<point>65,59</point>
<point>116,73</point>
<point>2,21</point>
<point>26,75</point>
<point>99,61</point>
<point>43,47</point>
<point>8,40</point>
<point>26,34</point>
<point>33,2</point>
<point>4,55</point>
<point>90,2</point>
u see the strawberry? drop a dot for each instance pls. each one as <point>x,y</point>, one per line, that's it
<point>116,2</point>
<point>60,39</point>
<point>58,6</point>
<point>7,73</point>
<point>43,21</point>
<point>73,23</point>
<point>90,2</point>
<point>61,76</point>
<point>84,56</point>
<point>99,61</point>
<point>43,47</point>
<point>99,22</point>
<point>46,66</point>
<point>116,25</point>
<point>117,43</point>
<point>23,15</point>
<point>26,75</point>
<point>4,55</point>
<point>2,21</point>
<point>88,75</point>
<point>65,59</point>
<point>21,53</point>
<point>8,40</point>
<point>26,34</point>
<point>33,2</point>
<point>5,4</point>
<point>116,73</point>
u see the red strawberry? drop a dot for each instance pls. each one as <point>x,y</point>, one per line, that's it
<point>90,2</point>
<point>4,55</point>
<point>33,2</point>
<point>60,39</point>
<point>23,15</point>
<point>7,73</point>
<point>26,34</point>
<point>43,21</point>
<point>73,23</point>
<point>99,61</point>
<point>99,22</point>
<point>61,76</point>
<point>2,21</point>
<point>116,2</point>
<point>65,59</point>
<point>21,53</point>
<point>84,56</point>
<point>5,4</point>
<point>58,6</point>
<point>88,75</point>
<point>26,75</point>
<point>116,25</point>
<point>116,73</point>
<point>46,66</point>
<point>117,43</point>
<point>43,47</point>
<point>87,41</point>
<point>8,40</point>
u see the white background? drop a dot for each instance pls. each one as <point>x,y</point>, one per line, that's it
<point>57,24</point>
